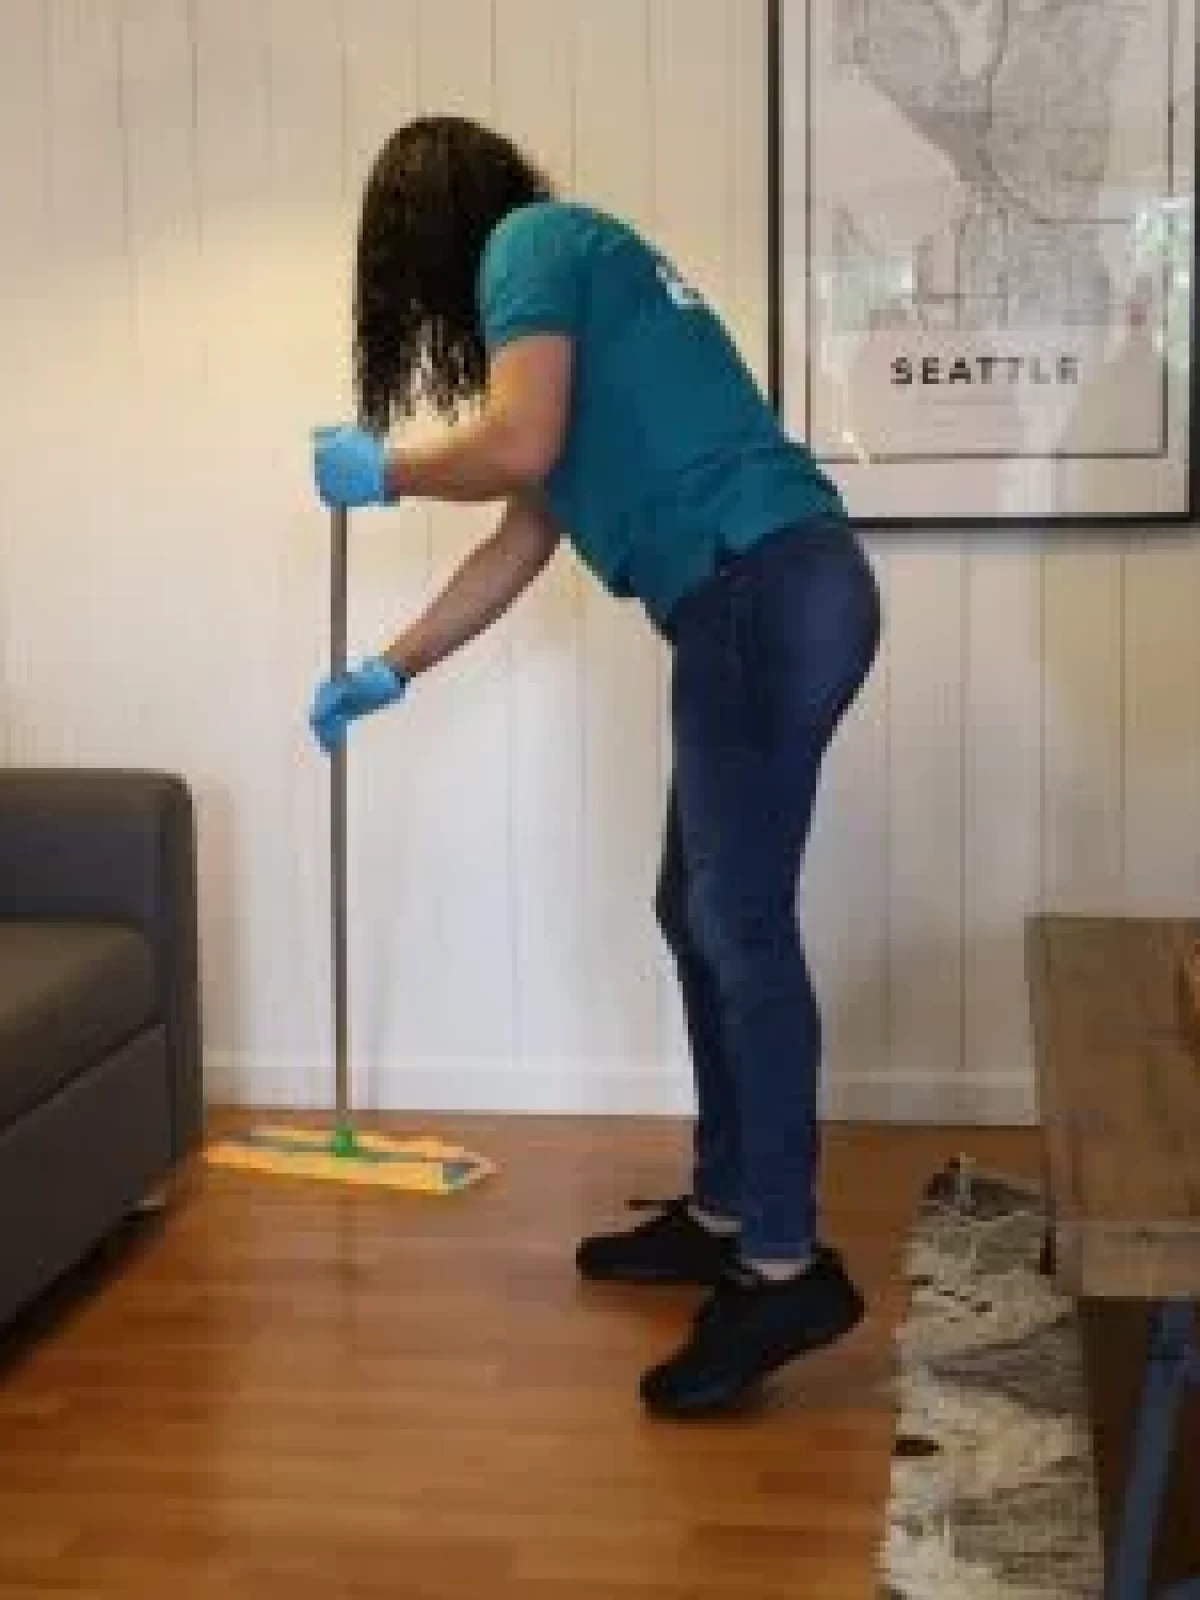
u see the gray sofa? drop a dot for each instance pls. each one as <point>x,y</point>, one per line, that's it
<point>101,1089</point>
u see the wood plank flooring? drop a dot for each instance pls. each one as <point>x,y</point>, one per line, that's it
<point>285,1389</point>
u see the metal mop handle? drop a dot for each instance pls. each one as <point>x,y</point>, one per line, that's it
<point>337,812</point>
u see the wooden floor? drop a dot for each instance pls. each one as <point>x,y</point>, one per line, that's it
<point>284,1389</point>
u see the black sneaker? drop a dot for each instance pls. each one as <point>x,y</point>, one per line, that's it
<point>749,1327</point>
<point>669,1247</point>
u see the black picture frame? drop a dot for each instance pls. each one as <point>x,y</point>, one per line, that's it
<point>1181,517</point>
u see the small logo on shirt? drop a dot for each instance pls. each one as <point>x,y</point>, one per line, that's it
<point>681,293</point>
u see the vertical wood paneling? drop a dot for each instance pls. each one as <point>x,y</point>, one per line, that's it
<point>164,553</point>
<point>471,699</point>
<point>397,904</point>
<point>302,335</point>
<point>170,542</point>
<point>87,332</point>
<point>1161,718</point>
<point>535,83</point>
<point>925,826</point>
<point>1161,703</point>
<point>252,925</point>
<point>175,274</point>
<point>748,201</point>
<point>694,188</point>
<point>382,81</point>
<point>843,898</point>
<point>24,182</point>
<point>26,417</point>
<point>535,105</point>
<point>691,89</point>
<point>1003,802</point>
<point>90,263</point>
<point>1083,699</point>
<point>158,91</point>
<point>622,662</point>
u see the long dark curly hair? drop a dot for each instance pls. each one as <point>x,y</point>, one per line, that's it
<point>437,189</point>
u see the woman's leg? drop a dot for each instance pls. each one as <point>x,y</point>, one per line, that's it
<point>692,1239</point>
<point>767,661</point>
<point>716,1176</point>
<point>760,687</point>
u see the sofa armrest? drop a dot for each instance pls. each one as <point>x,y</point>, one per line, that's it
<point>111,846</point>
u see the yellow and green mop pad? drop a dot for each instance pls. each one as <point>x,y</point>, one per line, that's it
<point>424,1165</point>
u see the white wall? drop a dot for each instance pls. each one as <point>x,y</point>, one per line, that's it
<point>178,198</point>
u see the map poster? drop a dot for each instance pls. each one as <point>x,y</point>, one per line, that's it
<point>984,254</point>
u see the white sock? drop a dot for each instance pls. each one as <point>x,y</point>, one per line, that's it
<point>781,1271</point>
<point>724,1227</point>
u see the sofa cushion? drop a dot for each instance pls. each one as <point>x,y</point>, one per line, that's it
<point>69,993</point>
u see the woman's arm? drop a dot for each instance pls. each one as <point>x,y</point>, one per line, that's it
<point>510,446</point>
<point>481,590</point>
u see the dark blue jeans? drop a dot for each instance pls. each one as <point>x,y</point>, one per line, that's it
<point>768,655</point>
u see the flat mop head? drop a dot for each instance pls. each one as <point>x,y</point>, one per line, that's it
<point>421,1165</point>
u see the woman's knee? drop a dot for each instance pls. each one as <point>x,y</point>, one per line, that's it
<point>746,942</point>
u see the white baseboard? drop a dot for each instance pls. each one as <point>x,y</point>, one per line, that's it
<point>545,1088</point>
<point>584,1089</point>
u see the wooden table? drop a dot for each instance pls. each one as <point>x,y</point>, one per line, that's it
<point>1119,1100</point>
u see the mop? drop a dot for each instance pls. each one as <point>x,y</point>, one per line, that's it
<point>346,1154</point>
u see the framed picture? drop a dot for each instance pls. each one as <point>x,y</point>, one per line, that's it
<point>983,255</point>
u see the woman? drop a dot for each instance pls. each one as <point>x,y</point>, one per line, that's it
<point>614,412</point>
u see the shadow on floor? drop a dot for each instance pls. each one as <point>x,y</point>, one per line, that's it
<point>68,1296</point>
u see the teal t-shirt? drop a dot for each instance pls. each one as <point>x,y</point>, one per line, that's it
<point>671,452</point>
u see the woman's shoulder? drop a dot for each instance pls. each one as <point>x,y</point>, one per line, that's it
<point>555,222</point>
<point>564,243</point>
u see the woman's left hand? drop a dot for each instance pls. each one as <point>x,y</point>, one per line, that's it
<point>350,466</point>
<point>368,687</point>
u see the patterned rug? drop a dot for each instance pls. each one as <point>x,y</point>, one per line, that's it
<point>992,1493</point>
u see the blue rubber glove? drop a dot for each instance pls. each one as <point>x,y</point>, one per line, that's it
<point>348,464</point>
<point>338,701</point>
